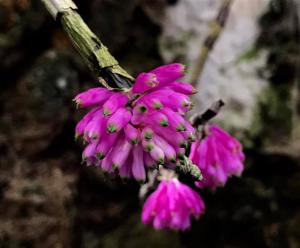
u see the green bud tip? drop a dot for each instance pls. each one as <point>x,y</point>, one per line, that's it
<point>186,104</point>
<point>191,137</point>
<point>106,112</point>
<point>157,105</point>
<point>160,160</point>
<point>94,136</point>
<point>148,135</point>
<point>180,156</point>
<point>142,109</point>
<point>100,155</point>
<point>111,128</point>
<point>183,144</point>
<point>164,123</point>
<point>134,141</point>
<point>115,166</point>
<point>149,147</point>
<point>180,128</point>
<point>172,159</point>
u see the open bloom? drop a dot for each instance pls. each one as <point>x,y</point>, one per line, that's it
<point>218,156</point>
<point>142,127</point>
<point>171,205</point>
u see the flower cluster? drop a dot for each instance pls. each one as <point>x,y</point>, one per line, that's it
<point>218,155</point>
<point>172,205</point>
<point>130,131</point>
<point>142,127</point>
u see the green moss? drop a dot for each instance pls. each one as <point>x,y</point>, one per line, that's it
<point>248,55</point>
<point>272,120</point>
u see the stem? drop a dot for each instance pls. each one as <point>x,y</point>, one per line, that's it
<point>216,29</point>
<point>187,167</point>
<point>210,113</point>
<point>93,52</point>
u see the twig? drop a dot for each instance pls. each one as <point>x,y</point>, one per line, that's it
<point>208,114</point>
<point>94,53</point>
<point>216,29</point>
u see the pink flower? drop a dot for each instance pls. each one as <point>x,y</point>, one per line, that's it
<point>171,205</point>
<point>218,156</point>
<point>92,97</point>
<point>142,127</point>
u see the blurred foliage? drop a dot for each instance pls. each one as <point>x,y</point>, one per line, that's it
<point>47,199</point>
<point>280,28</point>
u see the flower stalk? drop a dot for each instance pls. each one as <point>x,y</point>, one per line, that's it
<point>207,115</point>
<point>90,47</point>
<point>187,167</point>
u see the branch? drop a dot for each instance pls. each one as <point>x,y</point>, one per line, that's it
<point>94,53</point>
<point>216,29</point>
<point>208,114</point>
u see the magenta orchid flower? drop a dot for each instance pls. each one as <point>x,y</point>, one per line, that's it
<point>172,205</point>
<point>140,128</point>
<point>128,132</point>
<point>218,155</point>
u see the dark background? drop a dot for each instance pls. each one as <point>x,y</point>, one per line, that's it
<point>48,199</point>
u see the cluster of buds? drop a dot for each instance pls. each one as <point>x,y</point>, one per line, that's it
<point>172,204</point>
<point>140,128</point>
<point>218,155</point>
<point>131,131</point>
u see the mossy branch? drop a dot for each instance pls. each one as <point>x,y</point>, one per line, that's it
<point>92,50</point>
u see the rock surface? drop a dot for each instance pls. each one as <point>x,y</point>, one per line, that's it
<point>227,74</point>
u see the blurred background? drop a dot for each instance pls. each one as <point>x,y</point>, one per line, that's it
<point>49,199</point>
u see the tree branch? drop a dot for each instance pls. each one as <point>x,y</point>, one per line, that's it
<point>216,29</point>
<point>94,53</point>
